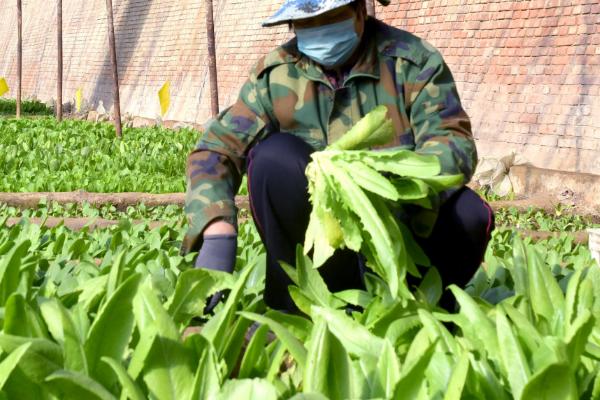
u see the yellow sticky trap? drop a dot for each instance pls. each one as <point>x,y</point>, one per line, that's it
<point>164,96</point>
<point>3,87</point>
<point>78,95</point>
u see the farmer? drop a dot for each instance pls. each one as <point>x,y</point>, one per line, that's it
<point>307,93</point>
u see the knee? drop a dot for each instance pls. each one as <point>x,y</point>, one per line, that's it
<point>475,216</point>
<point>279,153</point>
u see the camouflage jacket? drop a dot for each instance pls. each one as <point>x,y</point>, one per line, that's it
<point>288,92</point>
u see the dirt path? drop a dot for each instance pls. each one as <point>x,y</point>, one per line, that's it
<point>549,204</point>
<point>122,200</point>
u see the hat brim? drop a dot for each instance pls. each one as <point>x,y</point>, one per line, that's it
<point>292,10</point>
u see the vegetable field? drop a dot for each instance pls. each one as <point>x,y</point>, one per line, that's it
<point>41,155</point>
<point>117,313</point>
<point>28,107</point>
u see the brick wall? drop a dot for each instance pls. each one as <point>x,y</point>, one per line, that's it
<point>528,71</point>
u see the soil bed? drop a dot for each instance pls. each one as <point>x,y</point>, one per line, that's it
<point>120,200</point>
<point>123,200</point>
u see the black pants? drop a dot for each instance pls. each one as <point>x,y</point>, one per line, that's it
<point>278,191</point>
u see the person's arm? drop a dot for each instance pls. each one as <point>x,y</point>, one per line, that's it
<point>440,124</point>
<point>215,168</point>
<point>441,128</point>
<point>219,228</point>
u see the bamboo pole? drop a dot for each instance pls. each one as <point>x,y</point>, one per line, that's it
<point>59,70</point>
<point>212,58</point>
<point>19,56</point>
<point>115,71</point>
<point>371,8</point>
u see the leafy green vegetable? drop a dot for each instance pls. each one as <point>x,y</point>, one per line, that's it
<point>28,107</point>
<point>44,155</point>
<point>106,314</point>
<point>372,130</point>
<point>393,347</point>
<point>351,194</point>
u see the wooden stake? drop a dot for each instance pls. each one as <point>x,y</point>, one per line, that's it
<point>212,58</point>
<point>371,8</point>
<point>59,71</point>
<point>19,55</point>
<point>115,71</point>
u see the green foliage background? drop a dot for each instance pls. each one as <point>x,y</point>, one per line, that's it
<point>8,107</point>
<point>106,314</point>
<point>42,155</point>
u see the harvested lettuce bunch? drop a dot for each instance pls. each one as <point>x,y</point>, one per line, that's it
<point>353,192</point>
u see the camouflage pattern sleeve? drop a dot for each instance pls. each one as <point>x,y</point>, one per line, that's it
<point>440,124</point>
<point>442,128</point>
<point>216,166</point>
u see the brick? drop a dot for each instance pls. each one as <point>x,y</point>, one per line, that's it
<point>569,142</point>
<point>528,118</point>
<point>544,140</point>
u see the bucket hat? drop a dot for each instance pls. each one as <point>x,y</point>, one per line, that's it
<point>300,9</point>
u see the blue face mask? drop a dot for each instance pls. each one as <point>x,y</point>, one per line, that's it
<point>329,45</point>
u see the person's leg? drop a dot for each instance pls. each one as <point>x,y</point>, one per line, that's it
<point>279,201</point>
<point>459,239</point>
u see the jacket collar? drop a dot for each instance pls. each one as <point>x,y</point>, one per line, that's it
<point>366,66</point>
<point>380,40</point>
